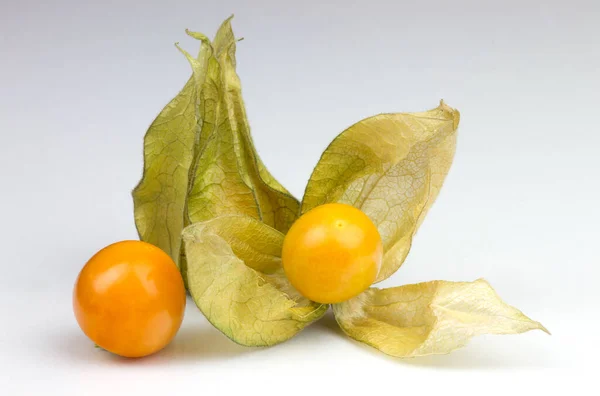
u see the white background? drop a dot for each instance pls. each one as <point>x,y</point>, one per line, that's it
<point>80,83</point>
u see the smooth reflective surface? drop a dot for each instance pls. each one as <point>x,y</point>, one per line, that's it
<point>130,299</point>
<point>332,253</point>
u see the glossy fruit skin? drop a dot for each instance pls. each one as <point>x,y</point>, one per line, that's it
<point>332,253</point>
<point>129,299</point>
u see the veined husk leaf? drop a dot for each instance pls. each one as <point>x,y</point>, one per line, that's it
<point>199,158</point>
<point>229,176</point>
<point>236,279</point>
<point>429,318</point>
<point>225,40</point>
<point>161,195</point>
<point>391,166</point>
